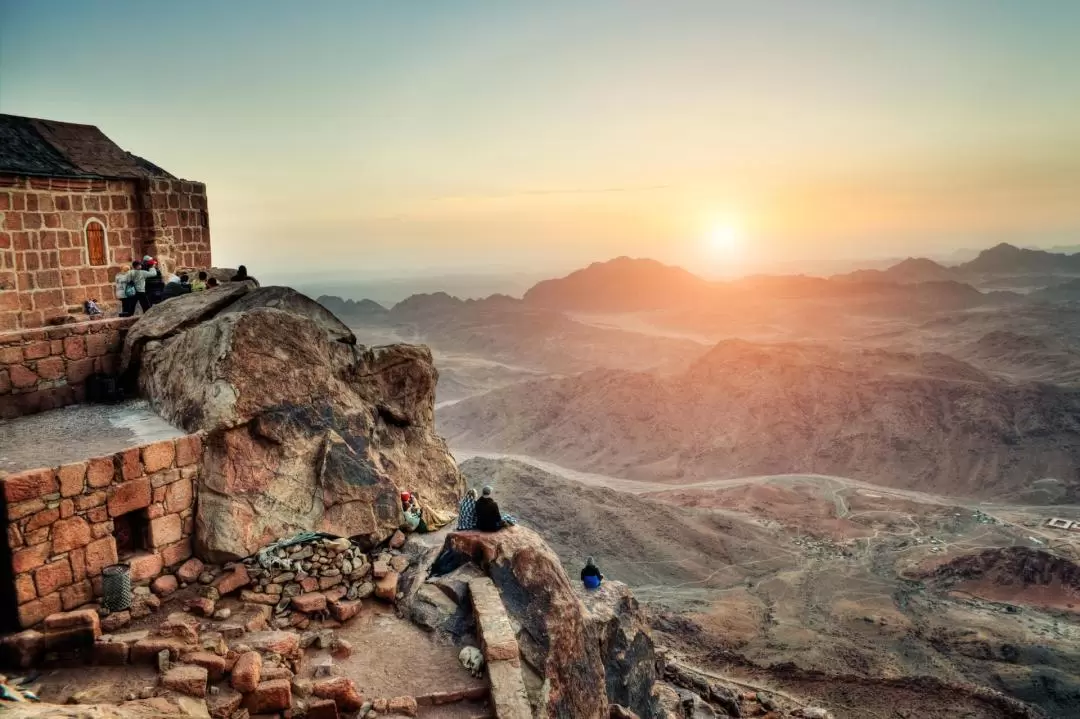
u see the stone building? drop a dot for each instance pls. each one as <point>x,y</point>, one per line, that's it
<point>74,209</point>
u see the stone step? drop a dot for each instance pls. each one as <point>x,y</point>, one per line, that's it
<point>501,652</point>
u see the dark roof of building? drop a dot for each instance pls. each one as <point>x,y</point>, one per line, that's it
<point>29,146</point>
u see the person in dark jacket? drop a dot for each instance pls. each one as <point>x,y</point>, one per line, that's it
<point>155,283</point>
<point>241,274</point>
<point>174,289</point>
<point>488,517</point>
<point>590,574</point>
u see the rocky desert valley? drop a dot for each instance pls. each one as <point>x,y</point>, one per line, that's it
<point>591,359</point>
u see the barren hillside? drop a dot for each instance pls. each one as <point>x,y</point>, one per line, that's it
<point>921,421</point>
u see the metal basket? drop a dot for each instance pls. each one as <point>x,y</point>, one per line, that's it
<point>116,587</point>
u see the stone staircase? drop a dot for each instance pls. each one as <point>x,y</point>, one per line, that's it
<point>501,653</point>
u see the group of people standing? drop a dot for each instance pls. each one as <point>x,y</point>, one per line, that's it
<point>144,285</point>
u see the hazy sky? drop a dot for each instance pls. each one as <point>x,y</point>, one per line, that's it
<point>398,135</point>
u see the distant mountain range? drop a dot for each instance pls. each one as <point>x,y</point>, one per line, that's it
<point>918,421</point>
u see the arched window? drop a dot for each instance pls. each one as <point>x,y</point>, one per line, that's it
<point>95,243</point>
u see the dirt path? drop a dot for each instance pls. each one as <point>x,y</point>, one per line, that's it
<point>641,487</point>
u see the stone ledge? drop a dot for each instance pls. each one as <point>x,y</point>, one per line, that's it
<point>496,633</point>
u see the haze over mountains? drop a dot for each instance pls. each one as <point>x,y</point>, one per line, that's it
<point>805,468</point>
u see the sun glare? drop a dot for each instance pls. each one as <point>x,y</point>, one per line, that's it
<point>725,239</point>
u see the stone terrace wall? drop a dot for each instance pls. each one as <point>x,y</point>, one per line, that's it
<point>60,522</point>
<point>47,368</point>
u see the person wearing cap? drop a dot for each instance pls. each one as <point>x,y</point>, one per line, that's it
<point>488,516</point>
<point>590,574</point>
<point>414,520</point>
<point>155,283</point>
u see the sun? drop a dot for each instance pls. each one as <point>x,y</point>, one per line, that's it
<point>725,239</point>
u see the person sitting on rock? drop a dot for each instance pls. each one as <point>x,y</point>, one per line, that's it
<point>241,274</point>
<point>200,282</point>
<point>467,511</point>
<point>212,283</point>
<point>414,519</point>
<point>176,286</point>
<point>590,574</point>
<point>488,517</point>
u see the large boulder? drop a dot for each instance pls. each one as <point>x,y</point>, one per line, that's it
<point>175,315</point>
<point>617,624</point>
<point>304,429</point>
<point>555,636</point>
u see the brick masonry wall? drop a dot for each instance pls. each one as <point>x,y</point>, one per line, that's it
<point>175,214</point>
<point>60,522</point>
<point>46,368</point>
<point>45,270</point>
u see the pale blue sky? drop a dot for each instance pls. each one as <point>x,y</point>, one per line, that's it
<point>402,135</point>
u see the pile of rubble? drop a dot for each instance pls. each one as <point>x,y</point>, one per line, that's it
<point>315,576</point>
<point>247,659</point>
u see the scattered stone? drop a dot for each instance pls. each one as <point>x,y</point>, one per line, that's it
<point>247,672</point>
<point>222,614</point>
<point>324,639</point>
<point>301,687</point>
<point>206,578</point>
<point>200,605</point>
<point>380,569</point>
<point>115,621</point>
<point>399,563</point>
<point>163,663</point>
<point>402,705</point>
<point>342,690</point>
<point>324,709</point>
<point>364,590</point>
<point>224,703</point>
<point>397,540</point>
<point>287,644</point>
<point>328,582</point>
<point>232,580</point>
<point>145,650</point>
<point>344,610</point>
<point>164,585</point>
<point>271,696</point>
<point>86,619</point>
<point>269,674</point>
<point>181,625</point>
<point>309,603</point>
<point>214,642</point>
<point>323,668</point>
<point>214,665</point>
<point>190,570</point>
<point>340,649</point>
<point>146,692</point>
<point>386,588</point>
<point>232,630</point>
<point>112,654</point>
<point>258,598</point>
<point>186,680</point>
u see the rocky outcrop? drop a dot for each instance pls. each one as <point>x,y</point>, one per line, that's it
<point>572,647</point>
<point>617,625</point>
<point>304,429</point>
